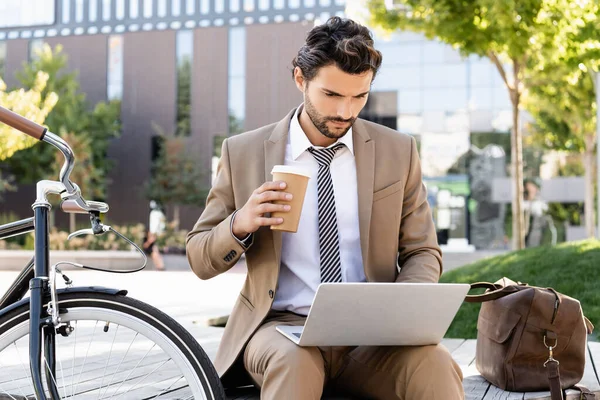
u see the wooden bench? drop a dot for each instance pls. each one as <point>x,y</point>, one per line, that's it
<point>477,388</point>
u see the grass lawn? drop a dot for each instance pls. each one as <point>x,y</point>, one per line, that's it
<point>571,268</point>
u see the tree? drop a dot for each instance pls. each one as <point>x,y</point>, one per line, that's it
<point>71,115</point>
<point>177,178</point>
<point>562,93</point>
<point>28,103</point>
<point>505,31</point>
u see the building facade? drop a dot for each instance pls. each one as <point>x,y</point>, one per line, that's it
<point>237,55</point>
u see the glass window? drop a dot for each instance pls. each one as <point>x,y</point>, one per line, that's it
<point>263,5</point>
<point>481,121</point>
<point>501,98</point>
<point>389,78</point>
<point>35,46</point>
<point>401,54</point>
<point>237,78</point>
<point>481,74</point>
<point>219,6</point>
<point>148,8</point>
<point>457,121</point>
<point>434,121</point>
<point>2,59</point>
<point>445,99</point>
<point>106,10</point>
<point>481,98</point>
<point>410,101</point>
<point>115,67</point>
<point>93,10</point>
<point>184,52</point>
<point>190,7</point>
<point>161,8</point>
<point>205,6</point>
<point>249,5</point>
<point>234,5</point>
<point>410,123</point>
<point>445,75</point>
<point>433,52</point>
<point>452,55</point>
<point>134,9</point>
<point>120,9</point>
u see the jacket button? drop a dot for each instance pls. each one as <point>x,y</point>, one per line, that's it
<point>271,293</point>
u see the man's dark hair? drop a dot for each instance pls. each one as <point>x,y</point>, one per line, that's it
<point>341,42</point>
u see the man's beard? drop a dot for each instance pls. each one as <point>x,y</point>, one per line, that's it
<point>320,122</point>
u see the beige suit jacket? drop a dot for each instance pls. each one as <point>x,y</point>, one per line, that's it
<point>397,235</point>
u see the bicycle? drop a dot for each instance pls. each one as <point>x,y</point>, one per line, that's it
<point>54,344</point>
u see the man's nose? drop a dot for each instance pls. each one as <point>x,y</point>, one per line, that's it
<point>345,109</point>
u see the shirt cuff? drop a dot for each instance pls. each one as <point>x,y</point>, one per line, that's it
<point>245,242</point>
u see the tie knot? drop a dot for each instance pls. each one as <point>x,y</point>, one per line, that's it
<point>325,156</point>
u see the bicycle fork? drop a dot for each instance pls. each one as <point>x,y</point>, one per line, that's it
<point>41,328</point>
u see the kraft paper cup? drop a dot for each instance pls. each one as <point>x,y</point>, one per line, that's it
<point>296,179</point>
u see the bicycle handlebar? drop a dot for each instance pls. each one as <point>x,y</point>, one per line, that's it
<point>22,124</point>
<point>73,201</point>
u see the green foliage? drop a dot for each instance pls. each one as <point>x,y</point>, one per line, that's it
<point>184,97</point>
<point>72,114</point>
<point>178,177</point>
<point>561,94</point>
<point>570,268</point>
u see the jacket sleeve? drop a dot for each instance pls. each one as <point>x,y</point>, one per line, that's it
<point>419,256</point>
<point>211,247</point>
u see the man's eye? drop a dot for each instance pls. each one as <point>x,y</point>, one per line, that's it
<point>330,94</point>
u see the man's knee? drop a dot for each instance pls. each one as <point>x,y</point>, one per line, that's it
<point>284,359</point>
<point>436,359</point>
<point>296,359</point>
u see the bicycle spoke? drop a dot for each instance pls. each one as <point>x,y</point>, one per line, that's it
<point>169,388</point>
<point>24,370</point>
<point>144,378</point>
<point>73,366</point>
<point>134,368</point>
<point>51,375</point>
<point>85,358</point>
<point>109,355</point>
<point>121,362</point>
<point>12,381</point>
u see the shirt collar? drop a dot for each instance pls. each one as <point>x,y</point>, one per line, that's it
<point>299,141</point>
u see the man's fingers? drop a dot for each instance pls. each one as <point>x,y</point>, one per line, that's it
<point>262,221</point>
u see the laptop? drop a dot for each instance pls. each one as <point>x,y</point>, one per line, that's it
<point>378,314</point>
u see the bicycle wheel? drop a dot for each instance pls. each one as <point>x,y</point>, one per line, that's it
<point>118,348</point>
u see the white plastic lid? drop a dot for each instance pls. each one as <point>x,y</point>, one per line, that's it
<point>290,169</point>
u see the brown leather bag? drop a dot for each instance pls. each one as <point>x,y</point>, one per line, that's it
<point>526,334</point>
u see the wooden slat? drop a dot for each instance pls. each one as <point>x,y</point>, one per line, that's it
<point>452,344</point>
<point>498,394</point>
<point>475,387</point>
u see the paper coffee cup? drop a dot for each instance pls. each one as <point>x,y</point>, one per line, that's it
<point>296,179</point>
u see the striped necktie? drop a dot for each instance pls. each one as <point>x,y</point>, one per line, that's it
<point>329,248</point>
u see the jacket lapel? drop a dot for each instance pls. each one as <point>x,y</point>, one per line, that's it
<point>364,153</point>
<point>275,155</point>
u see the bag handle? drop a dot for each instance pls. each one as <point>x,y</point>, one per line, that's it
<point>496,292</point>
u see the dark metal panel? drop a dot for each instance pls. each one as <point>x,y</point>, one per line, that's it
<point>88,55</point>
<point>149,71</point>
<point>17,52</point>
<point>270,90</point>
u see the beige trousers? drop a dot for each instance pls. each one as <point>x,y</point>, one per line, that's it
<point>284,370</point>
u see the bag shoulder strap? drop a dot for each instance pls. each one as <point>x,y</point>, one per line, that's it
<point>495,292</point>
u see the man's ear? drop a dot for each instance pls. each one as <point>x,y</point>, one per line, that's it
<point>299,79</point>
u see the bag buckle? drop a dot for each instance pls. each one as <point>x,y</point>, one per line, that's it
<point>550,350</point>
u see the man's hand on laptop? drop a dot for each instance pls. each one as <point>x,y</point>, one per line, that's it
<point>252,215</point>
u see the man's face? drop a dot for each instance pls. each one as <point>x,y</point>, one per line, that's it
<point>333,99</point>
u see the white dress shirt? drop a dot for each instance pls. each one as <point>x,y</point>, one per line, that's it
<point>300,274</point>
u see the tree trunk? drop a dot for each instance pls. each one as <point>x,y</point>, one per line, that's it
<point>176,216</point>
<point>516,142</point>
<point>588,162</point>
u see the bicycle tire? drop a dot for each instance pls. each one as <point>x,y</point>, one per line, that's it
<point>144,321</point>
